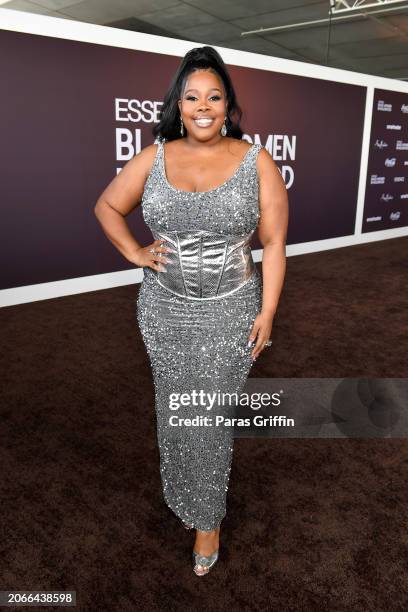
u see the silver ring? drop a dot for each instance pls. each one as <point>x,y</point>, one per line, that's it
<point>269,343</point>
<point>153,250</point>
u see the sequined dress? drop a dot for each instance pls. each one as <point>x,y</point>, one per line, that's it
<point>197,344</point>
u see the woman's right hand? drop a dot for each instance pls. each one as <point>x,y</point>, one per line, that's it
<point>144,258</point>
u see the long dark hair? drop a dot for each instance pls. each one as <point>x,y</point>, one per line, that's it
<point>198,58</point>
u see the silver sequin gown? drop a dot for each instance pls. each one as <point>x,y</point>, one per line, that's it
<point>198,344</point>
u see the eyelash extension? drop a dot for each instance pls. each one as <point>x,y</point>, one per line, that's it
<point>194,98</point>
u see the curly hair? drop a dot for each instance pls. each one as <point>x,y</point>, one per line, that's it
<point>199,58</point>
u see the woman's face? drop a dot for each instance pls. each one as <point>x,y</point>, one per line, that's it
<point>203,105</point>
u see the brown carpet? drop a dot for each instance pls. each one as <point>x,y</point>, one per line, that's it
<point>312,524</point>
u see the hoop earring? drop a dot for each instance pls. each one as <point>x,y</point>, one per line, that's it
<point>223,131</point>
<point>181,126</point>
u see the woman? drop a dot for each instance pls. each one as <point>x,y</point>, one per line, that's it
<point>204,310</point>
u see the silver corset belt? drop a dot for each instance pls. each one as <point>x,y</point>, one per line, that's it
<point>205,265</point>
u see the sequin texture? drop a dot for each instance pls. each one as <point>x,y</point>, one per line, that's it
<point>198,345</point>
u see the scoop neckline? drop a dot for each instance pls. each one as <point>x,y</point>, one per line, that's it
<point>231,178</point>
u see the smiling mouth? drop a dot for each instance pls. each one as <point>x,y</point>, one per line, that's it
<point>203,122</point>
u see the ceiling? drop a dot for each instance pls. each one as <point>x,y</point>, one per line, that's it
<point>372,42</point>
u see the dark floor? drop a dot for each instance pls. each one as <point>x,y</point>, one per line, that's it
<point>312,524</point>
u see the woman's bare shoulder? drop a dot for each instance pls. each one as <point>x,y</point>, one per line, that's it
<point>142,162</point>
<point>265,160</point>
<point>148,153</point>
<point>125,191</point>
<point>268,170</point>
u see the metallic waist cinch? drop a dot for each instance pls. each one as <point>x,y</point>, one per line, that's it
<point>205,265</point>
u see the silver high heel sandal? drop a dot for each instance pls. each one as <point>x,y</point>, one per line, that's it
<point>186,525</point>
<point>203,564</point>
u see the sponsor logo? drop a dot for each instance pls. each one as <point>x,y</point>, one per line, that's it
<point>399,179</point>
<point>386,197</point>
<point>393,126</point>
<point>369,219</point>
<point>377,180</point>
<point>401,145</point>
<point>390,162</point>
<point>404,196</point>
<point>380,144</point>
<point>404,108</point>
<point>394,216</point>
<point>383,106</point>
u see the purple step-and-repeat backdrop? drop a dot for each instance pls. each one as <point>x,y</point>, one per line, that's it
<point>74,113</point>
<point>386,199</point>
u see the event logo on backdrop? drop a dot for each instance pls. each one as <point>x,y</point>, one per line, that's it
<point>386,197</point>
<point>128,140</point>
<point>83,123</point>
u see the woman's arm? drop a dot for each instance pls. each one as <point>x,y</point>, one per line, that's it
<point>119,198</point>
<point>272,231</point>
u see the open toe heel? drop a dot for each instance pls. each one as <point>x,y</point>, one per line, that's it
<point>202,563</point>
